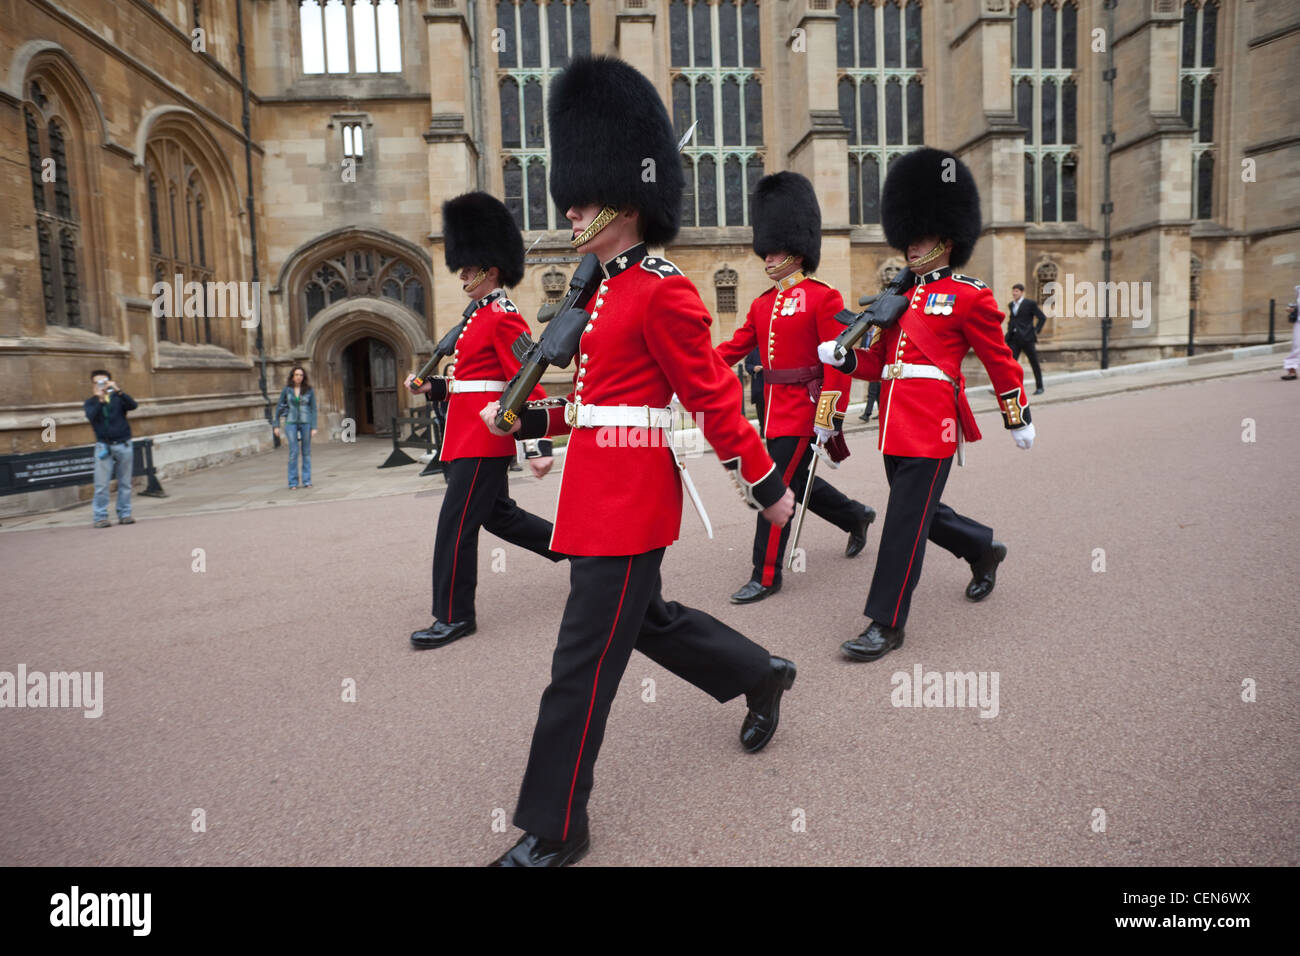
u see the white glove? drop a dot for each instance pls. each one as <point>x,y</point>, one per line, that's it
<point>823,434</point>
<point>826,352</point>
<point>1024,436</point>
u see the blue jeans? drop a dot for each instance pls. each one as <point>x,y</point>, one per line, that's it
<point>295,433</point>
<point>121,456</point>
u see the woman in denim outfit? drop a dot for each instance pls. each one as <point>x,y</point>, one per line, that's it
<point>298,405</point>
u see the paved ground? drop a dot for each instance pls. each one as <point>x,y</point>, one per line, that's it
<point>1118,690</point>
<point>350,471</point>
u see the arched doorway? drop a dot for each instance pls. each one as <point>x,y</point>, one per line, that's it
<point>368,369</point>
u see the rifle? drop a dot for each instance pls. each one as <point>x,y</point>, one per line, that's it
<point>883,311</point>
<point>443,348</point>
<point>556,346</point>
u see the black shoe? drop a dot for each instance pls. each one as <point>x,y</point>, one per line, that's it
<point>765,705</point>
<point>437,634</point>
<point>873,643</point>
<point>858,536</point>
<point>1038,390</point>
<point>532,850</point>
<point>753,592</point>
<point>986,572</point>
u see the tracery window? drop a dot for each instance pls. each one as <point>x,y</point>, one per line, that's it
<point>180,223</point>
<point>58,223</point>
<point>1198,75</point>
<point>362,271</point>
<point>536,41</point>
<point>1044,83</point>
<point>717,82</point>
<point>878,55</point>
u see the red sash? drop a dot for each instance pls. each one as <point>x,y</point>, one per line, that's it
<point>923,338</point>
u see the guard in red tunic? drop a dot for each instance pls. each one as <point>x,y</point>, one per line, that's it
<point>616,170</point>
<point>483,242</point>
<point>786,323</point>
<point>930,211</point>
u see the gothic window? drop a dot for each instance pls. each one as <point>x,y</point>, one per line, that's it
<point>361,271</point>
<point>878,53</point>
<point>724,284</point>
<point>717,84</point>
<point>1045,94</point>
<point>538,38</point>
<point>180,224</point>
<point>353,140</point>
<point>54,202</point>
<point>1198,75</point>
<point>350,36</point>
<point>1194,279</point>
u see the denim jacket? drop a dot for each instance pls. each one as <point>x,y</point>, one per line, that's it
<point>301,411</point>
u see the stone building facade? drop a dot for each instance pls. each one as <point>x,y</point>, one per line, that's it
<point>124,123</point>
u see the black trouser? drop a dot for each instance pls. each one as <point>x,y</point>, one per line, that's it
<point>792,456</point>
<point>614,606</point>
<point>873,398</point>
<point>914,514</point>
<point>1031,351</point>
<point>477,497</point>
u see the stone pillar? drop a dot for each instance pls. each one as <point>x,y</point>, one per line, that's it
<point>453,155</point>
<point>818,137</point>
<point>634,37</point>
<point>977,59</point>
<point>1151,175</point>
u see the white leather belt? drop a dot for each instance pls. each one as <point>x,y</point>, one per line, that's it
<point>906,370</point>
<point>618,416</point>
<point>476,385</point>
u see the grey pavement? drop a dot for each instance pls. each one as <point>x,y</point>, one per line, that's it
<point>345,470</point>
<point>1120,690</point>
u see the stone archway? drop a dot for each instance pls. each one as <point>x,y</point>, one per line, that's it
<point>346,322</point>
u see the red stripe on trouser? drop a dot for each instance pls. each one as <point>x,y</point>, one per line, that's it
<point>568,807</point>
<point>919,531</point>
<point>451,589</point>
<point>771,556</point>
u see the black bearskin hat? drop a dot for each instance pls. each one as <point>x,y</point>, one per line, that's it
<point>925,197</point>
<point>479,231</point>
<point>606,120</point>
<point>787,218</point>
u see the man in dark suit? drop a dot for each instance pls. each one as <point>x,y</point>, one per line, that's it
<point>1022,332</point>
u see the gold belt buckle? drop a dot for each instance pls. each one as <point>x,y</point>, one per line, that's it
<point>571,415</point>
<point>896,370</point>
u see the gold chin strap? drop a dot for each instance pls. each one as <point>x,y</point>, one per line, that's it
<point>930,256</point>
<point>603,218</point>
<point>773,270</point>
<point>482,274</point>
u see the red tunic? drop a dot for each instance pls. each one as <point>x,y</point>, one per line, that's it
<point>620,492</point>
<point>918,415</point>
<point>483,352</point>
<point>786,323</point>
